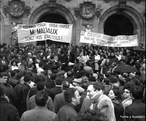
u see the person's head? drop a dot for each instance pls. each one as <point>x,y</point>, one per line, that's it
<point>114,82</point>
<point>94,88</point>
<point>127,90</point>
<point>69,74</point>
<point>71,95</point>
<point>40,85</point>
<point>65,85</point>
<point>53,76</point>
<point>41,98</point>
<point>59,79</point>
<point>13,63</point>
<point>13,73</point>
<point>114,93</point>
<point>137,92</point>
<point>39,78</point>
<point>4,77</point>
<point>27,78</point>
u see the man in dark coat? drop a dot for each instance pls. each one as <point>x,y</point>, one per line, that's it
<point>57,89</point>
<point>59,99</point>
<point>24,92</point>
<point>136,111</point>
<point>68,112</point>
<point>8,112</point>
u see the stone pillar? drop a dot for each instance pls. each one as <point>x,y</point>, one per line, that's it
<point>78,29</point>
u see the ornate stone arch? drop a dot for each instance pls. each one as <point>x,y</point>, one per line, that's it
<point>56,9</point>
<point>51,8</point>
<point>133,15</point>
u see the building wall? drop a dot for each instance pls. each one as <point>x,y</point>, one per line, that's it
<point>135,11</point>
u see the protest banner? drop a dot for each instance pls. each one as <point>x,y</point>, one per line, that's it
<point>45,31</point>
<point>110,41</point>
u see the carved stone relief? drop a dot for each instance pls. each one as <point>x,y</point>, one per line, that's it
<point>87,11</point>
<point>16,9</point>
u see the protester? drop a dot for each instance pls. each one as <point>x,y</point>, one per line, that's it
<point>115,96</point>
<point>31,104</point>
<point>103,61</point>
<point>68,112</point>
<point>136,110</point>
<point>98,100</point>
<point>8,111</point>
<point>59,99</point>
<point>40,112</point>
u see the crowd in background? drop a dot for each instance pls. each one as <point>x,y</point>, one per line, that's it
<point>61,82</point>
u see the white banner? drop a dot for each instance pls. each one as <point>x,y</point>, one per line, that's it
<point>110,41</point>
<point>45,31</point>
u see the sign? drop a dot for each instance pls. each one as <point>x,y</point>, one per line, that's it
<point>44,31</point>
<point>110,41</point>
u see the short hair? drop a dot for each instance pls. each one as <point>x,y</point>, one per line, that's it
<point>41,98</point>
<point>129,85</point>
<point>137,92</point>
<point>39,78</point>
<point>97,86</point>
<point>27,78</point>
<point>69,94</point>
<point>13,73</point>
<point>53,76</point>
<point>59,79</point>
<point>117,93</point>
<point>2,74</point>
<point>65,85</point>
<point>40,85</point>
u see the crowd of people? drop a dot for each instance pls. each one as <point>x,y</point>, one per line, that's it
<point>67,82</point>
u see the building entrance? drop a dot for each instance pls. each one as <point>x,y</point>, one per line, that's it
<point>53,18</point>
<point>118,24</point>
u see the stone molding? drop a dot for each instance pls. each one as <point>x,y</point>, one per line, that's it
<point>16,9</point>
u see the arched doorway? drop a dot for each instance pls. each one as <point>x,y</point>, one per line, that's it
<point>129,13</point>
<point>51,18</point>
<point>118,24</point>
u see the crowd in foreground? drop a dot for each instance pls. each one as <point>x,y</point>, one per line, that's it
<point>62,82</point>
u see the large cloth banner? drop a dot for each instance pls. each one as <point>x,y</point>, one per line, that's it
<point>45,31</point>
<point>110,41</point>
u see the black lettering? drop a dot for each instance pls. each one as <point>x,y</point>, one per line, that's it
<point>32,31</point>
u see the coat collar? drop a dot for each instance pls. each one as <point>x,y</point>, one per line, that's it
<point>96,97</point>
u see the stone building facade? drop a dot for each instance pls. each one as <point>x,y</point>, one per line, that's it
<point>111,17</point>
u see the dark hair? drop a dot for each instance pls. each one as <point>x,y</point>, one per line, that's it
<point>129,85</point>
<point>69,94</point>
<point>39,78</point>
<point>53,76</point>
<point>66,85</point>
<point>59,79</point>
<point>117,93</point>
<point>4,74</point>
<point>27,78</point>
<point>19,75</point>
<point>13,73</point>
<point>40,85</point>
<point>97,86</point>
<point>137,92</point>
<point>41,98</point>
